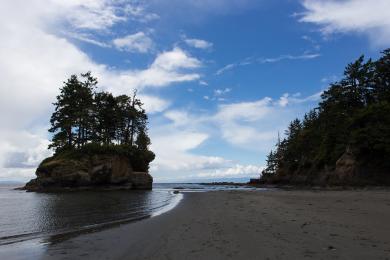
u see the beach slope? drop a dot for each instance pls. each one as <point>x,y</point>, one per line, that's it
<point>248,225</point>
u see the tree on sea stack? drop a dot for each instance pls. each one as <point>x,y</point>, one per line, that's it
<point>72,120</point>
<point>83,116</point>
<point>97,139</point>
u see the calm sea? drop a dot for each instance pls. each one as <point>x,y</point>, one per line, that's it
<point>29,215</point>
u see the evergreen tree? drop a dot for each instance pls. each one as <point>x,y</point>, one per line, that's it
<point>64,118</point>
<point>143,155</point>
<point>272,165</point>
<point>124,116</point>
<point>84,108</point>
<point>139,119</point>
<point>89,121</point>
<point>105,120</point>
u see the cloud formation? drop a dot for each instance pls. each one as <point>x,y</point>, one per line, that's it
<point>138,42</point>
<point>198,43</point>
<point>233,171</point>
<point>252,60</point>
<point>351,16</point>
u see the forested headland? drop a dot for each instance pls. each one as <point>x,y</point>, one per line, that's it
<point>346,139</point>
<point>89,122</point>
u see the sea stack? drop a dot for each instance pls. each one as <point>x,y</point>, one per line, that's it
<point>88,172</point>
<point>98,140</point>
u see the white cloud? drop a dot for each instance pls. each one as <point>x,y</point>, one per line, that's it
<point>176,59</point>
<point>238,123</point>
<point>357,16</point>
<point>178,117</point>
<point>220,92</point>
<point>234,171</point>
<point>153,104</point>
<point>226,68</point>
<point>20,152</point>
<point>306,56</point>
<point>173,149</point>
<point>138,42</point>
<point>139,13</point>
<point>198,43</point>
<point>86,38</point>
<point>79,14</point>
<point>283,100</point>
<point>252,60</point>
<point>203,83</point>
<point>168,67</point>
<point>94,14</point>
<point>218,95</point>
<point>246,111</point>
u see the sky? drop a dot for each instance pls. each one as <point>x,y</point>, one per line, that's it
<point>220,79</point>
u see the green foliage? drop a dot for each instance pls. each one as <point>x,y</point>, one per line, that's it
<point>86,122</point>
<point>72,119</point>
<point>370,135</point>
<point>353,115</point>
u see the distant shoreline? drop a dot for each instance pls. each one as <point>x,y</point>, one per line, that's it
<point>300,187</point>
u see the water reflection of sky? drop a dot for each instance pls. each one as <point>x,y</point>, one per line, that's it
<point>27,215</point>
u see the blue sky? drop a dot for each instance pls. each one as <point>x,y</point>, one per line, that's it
<point>219,79</point>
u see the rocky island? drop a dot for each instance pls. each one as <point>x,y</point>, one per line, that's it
<point>86,172</point>
<point>99,141</point>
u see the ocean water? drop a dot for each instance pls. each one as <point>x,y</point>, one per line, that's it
<point>27,215</point>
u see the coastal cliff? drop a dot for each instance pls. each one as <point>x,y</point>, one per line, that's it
<point>89,171</point>
<point>345,140</point>
<point>347,171</point>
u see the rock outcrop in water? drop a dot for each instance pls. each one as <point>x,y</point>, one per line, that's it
<point>86,172</point>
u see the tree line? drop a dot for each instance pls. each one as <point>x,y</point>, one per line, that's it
<point>353,116</point>
<point>84,117</point>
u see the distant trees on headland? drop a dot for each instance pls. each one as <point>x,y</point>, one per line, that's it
<point>353,117</point>
<point>84,117</point>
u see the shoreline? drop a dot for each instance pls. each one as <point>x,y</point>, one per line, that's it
<point>349,224</point>
<point>62,234</point>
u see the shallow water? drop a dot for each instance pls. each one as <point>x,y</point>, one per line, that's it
<point>25,215</point>
<point>28,215</point>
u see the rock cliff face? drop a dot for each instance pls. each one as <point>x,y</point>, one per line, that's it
<point>346,166</point>
<point>88,172</point>
<point>347,171</point>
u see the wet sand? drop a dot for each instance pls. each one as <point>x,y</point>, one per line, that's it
<point>247,225</point>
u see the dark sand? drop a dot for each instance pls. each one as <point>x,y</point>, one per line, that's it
<point>248,225</point>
